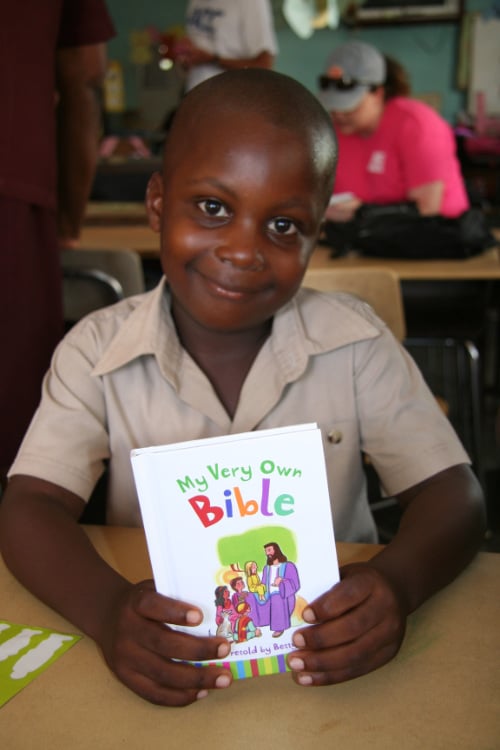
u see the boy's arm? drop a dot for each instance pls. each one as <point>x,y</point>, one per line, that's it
<point>51,555</point>
<point>48,551</point>
<point>359,624</point>
<point>441,530</point>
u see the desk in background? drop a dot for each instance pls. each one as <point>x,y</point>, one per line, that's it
<point>442,690</point>
<point>483,267</point>
<point>138,236</point>
<point>121,236</point>
<point>98,213</point>
<point>444,298</point>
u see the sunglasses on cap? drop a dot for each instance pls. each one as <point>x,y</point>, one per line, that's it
<point>343,83</point>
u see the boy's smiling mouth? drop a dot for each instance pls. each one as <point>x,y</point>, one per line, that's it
<point>232,289</point>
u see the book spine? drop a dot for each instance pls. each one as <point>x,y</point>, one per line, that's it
<point>251,667</point>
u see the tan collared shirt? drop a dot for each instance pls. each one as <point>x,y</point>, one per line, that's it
<point>121,380</point>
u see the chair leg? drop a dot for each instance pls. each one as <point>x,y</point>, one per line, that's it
<point>476,410</point>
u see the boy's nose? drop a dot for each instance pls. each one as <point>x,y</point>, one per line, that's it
<point>242,248</point>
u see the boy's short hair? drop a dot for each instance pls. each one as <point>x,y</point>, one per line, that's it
<point>278,98</point>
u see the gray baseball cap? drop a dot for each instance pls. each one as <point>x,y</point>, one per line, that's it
<point>350,71</point>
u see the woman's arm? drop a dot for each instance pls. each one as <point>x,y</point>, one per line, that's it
<point>428,197</point>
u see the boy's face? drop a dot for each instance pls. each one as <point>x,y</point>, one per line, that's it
<point>239,211</point>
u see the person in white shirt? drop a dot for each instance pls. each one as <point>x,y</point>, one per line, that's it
<point>225,35</point>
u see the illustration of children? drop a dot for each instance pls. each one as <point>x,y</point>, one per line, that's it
<point>244,626</point>
<point>253,580</point>
<point>225,613</point>
<point>240,594</point>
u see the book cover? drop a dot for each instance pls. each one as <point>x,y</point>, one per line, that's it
<point>240,525</point>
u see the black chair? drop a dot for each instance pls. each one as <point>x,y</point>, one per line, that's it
<point>96,278</point>
<point>451,367</point>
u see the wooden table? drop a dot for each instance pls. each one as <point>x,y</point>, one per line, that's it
<point>441,692</point>
<point>482,267</point>
<point>100,213</point>
<point>141,238</point>
<point>121,236</point>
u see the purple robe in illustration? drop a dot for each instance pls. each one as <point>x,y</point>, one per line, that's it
<point>279,604</point>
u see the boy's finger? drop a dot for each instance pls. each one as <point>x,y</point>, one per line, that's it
<point>343,669</point>
<point>154,606</point>
<point>170,683</point>
<point>174,644</point>
<point>350,592</point>
<point>343,629</point>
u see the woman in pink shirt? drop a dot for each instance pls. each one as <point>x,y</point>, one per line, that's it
<point>391,148</point>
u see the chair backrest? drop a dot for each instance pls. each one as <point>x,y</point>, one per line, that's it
<point>380,287</point>
<point>452,369</point>
<point>96,278</point>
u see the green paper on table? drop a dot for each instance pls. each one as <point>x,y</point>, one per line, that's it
<point>25,652</point>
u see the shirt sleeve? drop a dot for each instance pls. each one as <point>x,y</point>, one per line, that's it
<point>84,22</point>
<point>67,442</point>
<point>403,430</point>
<point>258,27</point>
<point>427,143</point>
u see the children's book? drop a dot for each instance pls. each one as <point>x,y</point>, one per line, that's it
<point>240,525</point>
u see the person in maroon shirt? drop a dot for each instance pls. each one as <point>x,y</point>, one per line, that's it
<point>52,63</point>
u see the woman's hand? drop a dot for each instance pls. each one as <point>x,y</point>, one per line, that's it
<point>343,210</point>
<point>359,625</point>
<point>147,654</point>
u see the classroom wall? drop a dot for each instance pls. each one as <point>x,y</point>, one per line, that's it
<point>428,51</point>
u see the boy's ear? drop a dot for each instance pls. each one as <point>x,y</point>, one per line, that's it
<point>154,201</point>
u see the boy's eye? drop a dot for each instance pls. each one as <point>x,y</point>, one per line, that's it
<point>281,225</point>
<point>213,207</point>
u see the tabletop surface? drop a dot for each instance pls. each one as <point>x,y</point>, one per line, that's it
<point>137,235</point>
<point>115,212</point>
<point>484,266</point>
<point>442,691</point>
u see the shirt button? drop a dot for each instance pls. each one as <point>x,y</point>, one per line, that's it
<point>335,436</point>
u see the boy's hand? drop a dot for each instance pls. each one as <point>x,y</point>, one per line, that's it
<point>359,625</point>
<point>141,649</point>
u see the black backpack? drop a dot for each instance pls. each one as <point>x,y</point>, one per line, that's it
<point>397,230</point>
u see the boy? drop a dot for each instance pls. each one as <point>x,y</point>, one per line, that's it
<point>229,345</point>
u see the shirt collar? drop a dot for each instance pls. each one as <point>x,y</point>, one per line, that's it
<point>148,330</point>
<point>318,322</point>
<point>311,323</point>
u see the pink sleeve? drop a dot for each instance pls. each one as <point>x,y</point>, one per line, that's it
<point>429,149</point>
